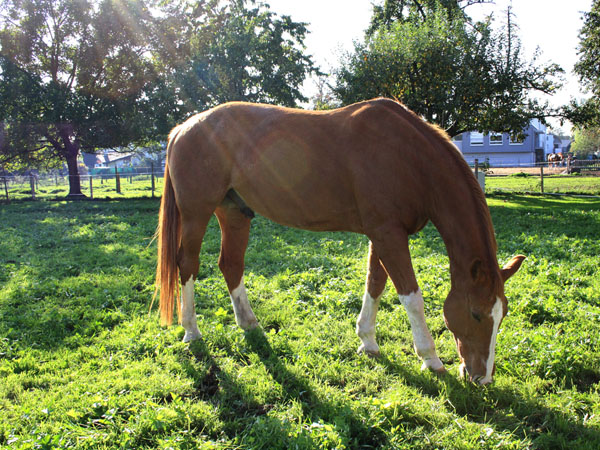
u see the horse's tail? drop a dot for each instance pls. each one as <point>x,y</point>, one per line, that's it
<point>168,235</point>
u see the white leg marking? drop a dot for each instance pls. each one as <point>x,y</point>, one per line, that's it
<point>489,366</point>
<point>424,345</point>
<point>244,316</point>
<point>188,312</point>
<point>365,325</point>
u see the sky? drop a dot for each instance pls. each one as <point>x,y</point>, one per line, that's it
<point>550,25</point>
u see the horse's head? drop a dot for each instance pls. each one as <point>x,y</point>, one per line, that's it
<point>473,312</point>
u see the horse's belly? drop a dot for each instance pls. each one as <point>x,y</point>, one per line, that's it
<point>312,205</point>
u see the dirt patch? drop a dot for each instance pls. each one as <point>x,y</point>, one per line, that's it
<point>527,170</point>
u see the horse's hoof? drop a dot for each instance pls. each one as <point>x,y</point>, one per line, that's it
<point>190,336</point>
<point>440,372</point>
<point>250,326</point>
<point>371,353</point>
<point>433,364</point>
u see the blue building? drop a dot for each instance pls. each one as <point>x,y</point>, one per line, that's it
<point>503,149</point>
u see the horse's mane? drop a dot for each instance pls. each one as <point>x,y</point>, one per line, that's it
<point>438,137</point>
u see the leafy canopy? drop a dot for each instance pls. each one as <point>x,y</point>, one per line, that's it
<point>459,75</point>
<point>393,11</point>
<point>89,74</point>
<point>587,113</point>
<point>586,141</point>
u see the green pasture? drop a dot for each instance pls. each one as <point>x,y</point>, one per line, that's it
<point>84,365</point>
<point>138,186</point>
<point>46,188</point>
<point>555,184</point>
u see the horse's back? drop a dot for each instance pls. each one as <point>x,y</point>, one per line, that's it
<point>313,170</point>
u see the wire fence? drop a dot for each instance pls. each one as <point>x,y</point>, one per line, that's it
<point>580,177</point>
<point>577,177</point>
<point>114,184</point>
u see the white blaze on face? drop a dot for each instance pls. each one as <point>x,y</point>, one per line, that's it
<point>497,318</point>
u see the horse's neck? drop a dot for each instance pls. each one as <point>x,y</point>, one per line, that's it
<point>463,221</point>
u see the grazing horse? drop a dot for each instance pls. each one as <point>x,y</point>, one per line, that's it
<point>373,168</point>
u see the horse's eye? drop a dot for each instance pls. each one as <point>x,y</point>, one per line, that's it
<point>476,316</point>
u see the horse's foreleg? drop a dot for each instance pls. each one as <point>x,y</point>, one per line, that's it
<point>423,342</point>
<point>392,248</point>
<point>235,230</point>
<point>191,242</point>
<point>374,286</point>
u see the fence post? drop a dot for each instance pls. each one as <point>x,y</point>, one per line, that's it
<point>476,168</point>
<point>542,178</point>
<point>32,183</point>
<point>152,177</point>
<point>91,188</point>
<point>6,188</point>
<point>117,180</point>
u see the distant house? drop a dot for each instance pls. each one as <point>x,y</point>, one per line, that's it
<point>109,159</point>
<point>503,149</point>
<point>114,159</point>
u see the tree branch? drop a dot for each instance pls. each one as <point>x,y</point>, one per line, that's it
<point>419,8</point>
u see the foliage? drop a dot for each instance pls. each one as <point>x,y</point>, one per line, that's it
<point>248,54</point>
<point>89,62</point>
<point>588,112</point>
<point>585,141</point>
<point>83,365</point>
<point>415,11</point>
<point>79,76</point>
<point>457,75</point>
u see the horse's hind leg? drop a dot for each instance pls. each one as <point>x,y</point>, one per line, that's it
<point>192,233</point>
<point>235,230</point>
<point>375,284</point>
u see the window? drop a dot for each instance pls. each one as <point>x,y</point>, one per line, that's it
<point>495,138</point>
<point>517,138</point>
<point>476,138</point>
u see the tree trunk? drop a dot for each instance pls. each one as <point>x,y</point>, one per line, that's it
<point>70,152</point>
<point>74,180</point>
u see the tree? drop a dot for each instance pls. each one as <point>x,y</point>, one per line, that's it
<point>587,68</point>
<point>459,75</point>
<point>393,11</point>
<point>586,141</point>
<point>101,73</point>
<point>248,54</point>
<point>87,62</point>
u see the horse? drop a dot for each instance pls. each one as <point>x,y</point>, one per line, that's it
<point>374,168</point>
<point>555,159</point>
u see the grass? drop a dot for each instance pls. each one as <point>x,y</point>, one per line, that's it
<point>83,365</point>
<point>139,186</point>
<point>556,184</point>
<point>136,186</point>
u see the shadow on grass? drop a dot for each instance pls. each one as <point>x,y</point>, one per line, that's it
<point>66,270</point>
<point>248,420</point>
<point>505,409</point>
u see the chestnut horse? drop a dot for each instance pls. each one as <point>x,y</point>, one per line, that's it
<point>373,168</point>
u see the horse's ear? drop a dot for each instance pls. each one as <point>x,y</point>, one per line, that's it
<point>511,267</point>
